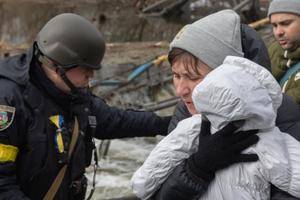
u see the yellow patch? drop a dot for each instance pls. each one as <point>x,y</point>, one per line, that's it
<point>57,120</point>
<point>8,153</point>
<point>60,144</point>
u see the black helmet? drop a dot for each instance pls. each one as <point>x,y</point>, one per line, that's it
<point>71,40</point>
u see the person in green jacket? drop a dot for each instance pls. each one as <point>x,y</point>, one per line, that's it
<point>284,15</point>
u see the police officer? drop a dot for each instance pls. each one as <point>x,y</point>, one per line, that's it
<point>48,117</point>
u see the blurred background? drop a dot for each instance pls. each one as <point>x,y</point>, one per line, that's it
<point>135,72</point>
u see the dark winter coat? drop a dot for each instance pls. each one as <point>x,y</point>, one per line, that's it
<point>28,102</point>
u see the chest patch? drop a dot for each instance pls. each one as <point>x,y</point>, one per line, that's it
<point>58,121</point>
<point>7,114</point>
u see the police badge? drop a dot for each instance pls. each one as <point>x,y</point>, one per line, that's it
<point>7,114</point>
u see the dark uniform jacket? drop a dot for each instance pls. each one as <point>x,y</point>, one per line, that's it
<point>182,184</point>
<point>36,124</point>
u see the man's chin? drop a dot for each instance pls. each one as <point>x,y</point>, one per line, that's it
<point>289,47</point>
<point>285,46</point>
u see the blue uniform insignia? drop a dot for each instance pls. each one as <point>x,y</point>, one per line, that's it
<point>7,114</point>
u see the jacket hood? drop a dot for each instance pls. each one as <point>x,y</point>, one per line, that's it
<point>16,68</point>
<point>237,90</point>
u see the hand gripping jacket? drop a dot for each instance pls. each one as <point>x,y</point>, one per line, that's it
<point>224,96</point>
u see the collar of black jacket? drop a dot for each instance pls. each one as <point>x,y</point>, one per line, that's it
<point>46,86</point>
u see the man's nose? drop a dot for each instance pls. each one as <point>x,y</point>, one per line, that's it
<point>279,31</point>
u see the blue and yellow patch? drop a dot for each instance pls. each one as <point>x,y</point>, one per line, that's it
<point>58,140</point>
<point>7,114</point>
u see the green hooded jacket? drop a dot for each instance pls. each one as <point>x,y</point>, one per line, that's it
<point>281,60</point>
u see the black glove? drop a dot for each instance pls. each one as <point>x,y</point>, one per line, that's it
<point>220,150</point>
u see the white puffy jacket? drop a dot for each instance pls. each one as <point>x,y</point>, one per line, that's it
<point>237,90</point>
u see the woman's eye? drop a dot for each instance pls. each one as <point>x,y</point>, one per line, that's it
<point>195,78</point>
<point>176,76</point>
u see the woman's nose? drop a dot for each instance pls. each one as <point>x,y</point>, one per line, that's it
<point>182,88</point>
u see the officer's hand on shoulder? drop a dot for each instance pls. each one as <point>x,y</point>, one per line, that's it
<point>220,150</point>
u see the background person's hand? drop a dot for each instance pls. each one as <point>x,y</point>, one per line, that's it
<point>220,150</point>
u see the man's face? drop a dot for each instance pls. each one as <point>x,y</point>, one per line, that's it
<point>80,76</point>
<point>186,80</point>
<point>286,29</point>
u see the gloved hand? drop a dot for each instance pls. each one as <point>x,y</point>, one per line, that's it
<point>220,150</point>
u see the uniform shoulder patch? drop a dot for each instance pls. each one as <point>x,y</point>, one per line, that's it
<point>7,114</point>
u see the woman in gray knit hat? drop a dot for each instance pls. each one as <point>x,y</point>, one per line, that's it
<point>195,51</point>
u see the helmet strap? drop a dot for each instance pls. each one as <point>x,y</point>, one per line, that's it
<point>61,71</point>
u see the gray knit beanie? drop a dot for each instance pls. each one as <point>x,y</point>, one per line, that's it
<point>284,6</point>
<point>212,38</point>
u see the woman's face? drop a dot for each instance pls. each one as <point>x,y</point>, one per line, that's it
<point>185,79</point>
